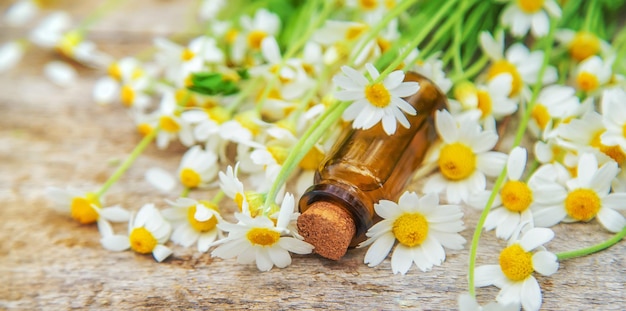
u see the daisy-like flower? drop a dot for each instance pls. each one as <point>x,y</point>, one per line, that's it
<point>198,167</point>
<point>522,15</point>
<point>492,99</point>
<point>193,221</point>
<point>86,208</point>
<point>585,135</point>
<point>555,103</point>
<point>172,126</point>
<point>514,274</point>
<point>259,240</point>
<point>582,44</point>
<point>464,159</point>
<point>422,228</point>
<point>593,73</point>
<point>514,202</point>
<point>522,64</point>
<point>181,61</point>
<point>588,197</point>
<point>375,102</point>
<point>148,231</point>
<point>614,118</point>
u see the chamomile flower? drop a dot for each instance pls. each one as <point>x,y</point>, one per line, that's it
<point>148,231</point>
<point>523,15</point>
<point>593,73</point>
<point>193,221</point>
<point>422,228</point>
<point>554,103</point>
<point>463,158</point>
<point>170,123</point>
<point>518,61</point>
<point>585,135</point>
<point>514,203</point>
<point>514,274</point>
<point>582,44</point>
<point>259,240</point>
<point>614,118</point>
<point>588,197</point>
<point>86,208</point>
<point>197,168</point>
<point>492,100</point>
<point>375,102</point>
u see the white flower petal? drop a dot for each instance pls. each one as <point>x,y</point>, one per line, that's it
<point>263,260</point>
<point>160,179</point>
<point>611,219</point>
<point>116,243</point>
<point>446,126</point>
<point>536,237</point>
<point>379,250</point>
<point>160,252</point>
<point>115,213</point>
<point>545,263</point>
<point>279,257</point>
<point>516,163</point>
<point>401,259</point>
<point>295,245</point>
<point>531,294</point>
<point>487,275</point>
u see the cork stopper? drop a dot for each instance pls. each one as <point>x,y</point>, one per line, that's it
<point>328,227</point>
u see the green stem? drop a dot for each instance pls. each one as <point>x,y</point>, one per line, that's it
<point>218,197</point>
<point>97,15</point>
<point>185,192</point>
<point>302,147</point>
<point>304,38</point>
<point>518,138</point>
<point>471,71</point>
<point>592,249</point>
<point>128,162</point>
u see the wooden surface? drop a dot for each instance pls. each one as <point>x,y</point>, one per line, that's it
<point>57,137</point>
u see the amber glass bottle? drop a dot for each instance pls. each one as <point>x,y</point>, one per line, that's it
<point>364,167</point>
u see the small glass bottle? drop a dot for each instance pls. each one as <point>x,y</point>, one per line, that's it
<point>364,167</point>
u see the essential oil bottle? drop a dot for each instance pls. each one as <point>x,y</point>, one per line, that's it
<point>363,167</point>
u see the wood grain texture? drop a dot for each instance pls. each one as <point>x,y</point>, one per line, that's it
<point>57,137</point>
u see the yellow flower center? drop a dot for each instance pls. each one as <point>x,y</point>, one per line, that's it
<point>81,208</point>
<point>142,241</point>
<point>114,71</point>
<point>255,38</point>
<point>190,178</point>
<point>383,44</point>
<point>615,152</point>
<point>144,129</point>
<point>587,81</point>
<point>530,6</point>
<point>378,95</point>
<point>410,229</point>
<point>68,42</point>
<point>541,115</point>
<point>278,153</point>
<point>127,95</point>
<point>187,55</point>
<point>255,201</point>
<point>275,70</point>
<point>202,226</point>
<point>516,196</point>
<point>355,31</point>
<point>368,4</point>
<point>582,204</point>
<point>168,124</point>
<point>503,66</point>
<point>456,161</point>
<point>389,4</point>
<point>583,45</point>
<point>485,104</point>
<point>516,263</point>
<point>467,94</point>
<point>312,159</point>
<point>231,36</point>
<point>262,236</point>
<point>248,121</point>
